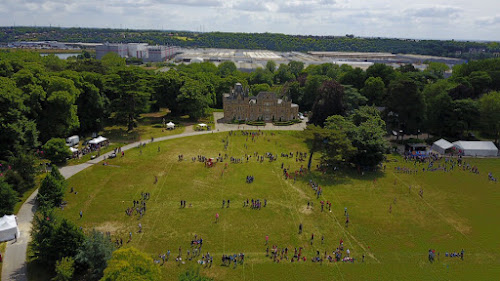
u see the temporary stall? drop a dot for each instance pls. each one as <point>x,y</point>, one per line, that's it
<point>98,140</point>
<point>170,126</point>
<point>476,148</point>
<point>441,146</point>
<point>8,228</point>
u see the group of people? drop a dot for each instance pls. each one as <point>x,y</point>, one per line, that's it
<point>235,258</point>
<point>250,179</point>
<point>256,204</point>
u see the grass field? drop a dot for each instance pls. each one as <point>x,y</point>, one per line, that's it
<point>459,210</point>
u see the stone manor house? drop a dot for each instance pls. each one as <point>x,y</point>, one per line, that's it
<point>265,106</point>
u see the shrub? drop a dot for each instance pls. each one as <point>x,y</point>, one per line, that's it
<point>56,150</point>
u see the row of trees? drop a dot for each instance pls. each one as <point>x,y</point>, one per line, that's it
<point>269,41</point>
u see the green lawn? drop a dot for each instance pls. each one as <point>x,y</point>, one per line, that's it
<point>458,210</point>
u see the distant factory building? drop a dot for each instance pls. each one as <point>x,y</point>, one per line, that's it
<point>138,50</point>
<point>119,49</point>
<point>265,106</point>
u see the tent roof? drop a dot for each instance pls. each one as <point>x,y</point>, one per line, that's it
<point>170,124</point>
<point>73,149</point>
<point>97,140</point>
<point>443,144</point>
<point>7,222</point>
<point>476,145</point>
<point>202,125</point>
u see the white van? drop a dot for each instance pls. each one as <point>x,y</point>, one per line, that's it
<point>73,140</point>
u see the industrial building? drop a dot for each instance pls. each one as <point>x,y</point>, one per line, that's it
<point>137,50</point>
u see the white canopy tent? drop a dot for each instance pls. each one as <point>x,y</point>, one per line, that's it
<point>170,125</point>
<point>73,150</point>
<point>8,228</point>
<point>476,148</point>
<point>98,140</point>
<point>202,125</point>
<point>440,146</point>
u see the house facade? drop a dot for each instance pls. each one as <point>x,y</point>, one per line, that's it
<point>263,107</point>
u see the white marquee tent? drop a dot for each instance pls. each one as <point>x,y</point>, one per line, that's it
<point>441,146</point>
<point>202,125</point>
<point>8,228</point>
<point>476,148</point>
<point>170,125</point>
<point>98,140</point>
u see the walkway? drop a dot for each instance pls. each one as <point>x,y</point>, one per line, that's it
<point>14,266</point>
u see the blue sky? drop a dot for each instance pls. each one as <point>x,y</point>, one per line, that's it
<point>421,19</point>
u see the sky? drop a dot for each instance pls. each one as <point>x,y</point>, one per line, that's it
<point>418,19</point>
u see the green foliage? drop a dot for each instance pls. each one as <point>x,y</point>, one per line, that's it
<point>329,101</point>
<point>489,107</point>
<point>407,102</point>
<point>437,68</point>
<point>54,238</point>
<point>353,99</point>
<point>8,199</point>
<point>284,73</point>
<point>195,98</point>
<point>56,150</point>
<point>110,60</point>
<point>130,264</point>
<point>64,269</point>
<point>271,66</point>
<point>94,254</point>
<point>227,68</point>
<point>374,90</point>
<point>296,67</point>
<point>355,77</point>
<point>261,76</point>
<point>365,131</point>
<point>51,192</point>
<point>255,89</point>
<point>21,176</point>
<point>129,92</point>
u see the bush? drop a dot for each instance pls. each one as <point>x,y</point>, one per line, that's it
<point>56,150</point>
<point>131,264</point>
<point>8,199</point>
<point>64,269</point>
<point>51,192</point>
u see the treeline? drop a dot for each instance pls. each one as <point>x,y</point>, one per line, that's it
<point>268,41</point>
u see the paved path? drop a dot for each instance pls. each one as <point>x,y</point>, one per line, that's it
<point>14,260</point>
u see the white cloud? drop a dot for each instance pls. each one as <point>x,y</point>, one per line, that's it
<point>458,19</point>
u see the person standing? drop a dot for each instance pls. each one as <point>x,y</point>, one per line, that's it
<point>300,228</point>
<point>81,214</point>
<point>267,239</point>
<point>216,217</point>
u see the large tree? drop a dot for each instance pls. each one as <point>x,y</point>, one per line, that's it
<point>195,98</point>
<point>374,91</point>
<point>407,102</point>
<point>489,107</point>
<point>129,90</point>
<point>329,101</point>
<point>94,253</point>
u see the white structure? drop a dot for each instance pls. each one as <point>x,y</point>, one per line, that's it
<point>170,126</point>
<point>441,146</point>
<point>98,140</point>
<point>476,148</point>
<point>73,140</point>
<point>8,228</point>
<point>138,50</point>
